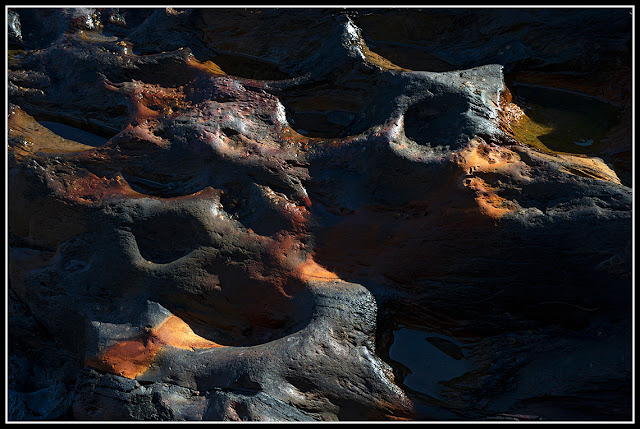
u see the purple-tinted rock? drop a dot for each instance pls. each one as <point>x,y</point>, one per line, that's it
<point>270,221</point>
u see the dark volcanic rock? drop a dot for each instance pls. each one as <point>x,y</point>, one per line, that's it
<point>319,214</point>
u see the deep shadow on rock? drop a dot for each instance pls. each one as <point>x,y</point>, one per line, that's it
<point>317,215</point>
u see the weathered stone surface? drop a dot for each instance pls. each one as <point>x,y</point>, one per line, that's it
<point>274,201</point>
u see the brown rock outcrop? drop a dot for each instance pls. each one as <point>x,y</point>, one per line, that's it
<point>271,206</point>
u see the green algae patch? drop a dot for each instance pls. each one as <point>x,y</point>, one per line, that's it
<point>562,121</point>
<point>16,54</point>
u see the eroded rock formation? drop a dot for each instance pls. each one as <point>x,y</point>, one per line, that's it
<point>279,212</point>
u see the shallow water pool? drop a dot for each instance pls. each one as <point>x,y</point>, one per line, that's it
<point>562,121</point>
<point>431,357</point>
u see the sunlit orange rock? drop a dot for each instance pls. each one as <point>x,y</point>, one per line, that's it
<point>131,358</point>
<point>319,214</point>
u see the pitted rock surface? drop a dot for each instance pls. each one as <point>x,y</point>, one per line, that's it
<point>271,196</point>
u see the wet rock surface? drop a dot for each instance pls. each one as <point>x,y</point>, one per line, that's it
<point>319,214</point>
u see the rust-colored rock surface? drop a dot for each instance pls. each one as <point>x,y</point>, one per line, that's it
<point>319,214</point>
